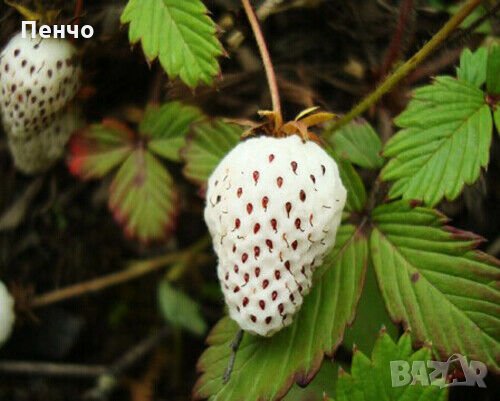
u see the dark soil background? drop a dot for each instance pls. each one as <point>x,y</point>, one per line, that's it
<point>329,54</point>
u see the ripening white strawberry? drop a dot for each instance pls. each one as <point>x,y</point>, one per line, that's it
<point>38,78</point>
<point>7,316</point>
<point>273,208</point>
<point>37,152</point>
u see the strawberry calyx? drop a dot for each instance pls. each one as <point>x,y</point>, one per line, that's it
<point>299,126</point>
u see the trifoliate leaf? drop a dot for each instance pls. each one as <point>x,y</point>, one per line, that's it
<point>359,143</point>
<point>436,284</point>
<point>179,309</point>
<point>371,316</point>
<point>371,379</point>
<point>96,150</point>
<point>445,140</point>
<point>265,368</point>
<point>473,66</point>
<point>179,33</point>
<point>211,141</point>
<point>493,73</point>
<point>166,128</point>
<point>142,197</point>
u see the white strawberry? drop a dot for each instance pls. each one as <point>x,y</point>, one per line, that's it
<point>273,209</point>
<point>38,152</point>
<point>38,78</point>
<point>7,316</point>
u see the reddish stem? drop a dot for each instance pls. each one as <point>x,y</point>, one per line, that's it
<point>395,48</point>
<point>78,11</point>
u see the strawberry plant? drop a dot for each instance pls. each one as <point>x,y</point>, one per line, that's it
<point>327,256</point>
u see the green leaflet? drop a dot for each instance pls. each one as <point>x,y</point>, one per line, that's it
<point>473,66</point>
<point>359,143</point>
<point>167,127</point>
<point>444,141</point>
<point>265,368</point>
<point>179,33</point>
<point>210,142</point>
<point>142,197</point>
<point>371,379</point>
<point>435,282</point>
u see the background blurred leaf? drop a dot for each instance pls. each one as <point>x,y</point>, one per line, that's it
<point>265,368</point>
<point>445,140</point>
<point>435,283</point>
<point>97,149</point>
<point>179,33</point>
<point>480,11</point>
<point>371,379</point>
<point>166,128</point>
<point>142,197</point>
<point>180,310</point>
<point>359,143</point>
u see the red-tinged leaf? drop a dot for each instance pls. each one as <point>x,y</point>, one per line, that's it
<point>97,149</point>
<point>266,368</point>
<point>142,197</point>
<point>436,283</point>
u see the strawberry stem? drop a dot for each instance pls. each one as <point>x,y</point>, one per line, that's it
<point>78,11</point>
<point>137,270</point>
<point>266,59</point>
<point>409,65</point>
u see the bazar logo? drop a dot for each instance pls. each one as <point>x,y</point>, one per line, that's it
<point>453,372</point>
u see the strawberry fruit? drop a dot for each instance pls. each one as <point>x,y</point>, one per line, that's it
<point>273,208</point>
<point>38,78</point>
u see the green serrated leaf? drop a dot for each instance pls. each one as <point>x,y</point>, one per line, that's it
<point>445,140</point>
<point>435,282</point>
<point>473,66</point>
<point>371,379</point>
<point>180,310</point>
<point>359,143</point>
<point>371,316</point>
<point>295,353</point>
<point>166,128</point>
<point>493,74</point>
<point>211,141</point>
<point>142,197</point>
<point>96,150</point>
<point>179,33</point>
